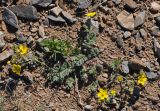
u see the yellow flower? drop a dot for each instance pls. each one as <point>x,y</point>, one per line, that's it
<point>16,69</point>
<point>90,14</point>
<point>113,92</point>
<point>22,49</point>
<point>102,94</point>
<point>9,62</point>
<point>142,79</point>
<point>119,78</point>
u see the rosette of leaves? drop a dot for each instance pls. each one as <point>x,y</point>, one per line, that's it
<point>56,48</point>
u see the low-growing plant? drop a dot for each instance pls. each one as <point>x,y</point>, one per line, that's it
<point>69,61</point>
<point>55,48</point>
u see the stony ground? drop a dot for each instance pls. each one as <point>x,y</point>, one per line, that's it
<point>126,29</point>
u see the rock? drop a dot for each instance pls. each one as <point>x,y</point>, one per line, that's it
<point>46,22</point>
<point>2,43</point>
<point>1,34</point>
<point>139,19</point>
<point>83,4</point>
<point>155,7</point>
<point>136,65</point>
<point>41,31</point>
<point>119,42</point>
<point>56,19</point>
<point>136,94</point>
<point>9,38</point>
<point>30,41</point>
<point>25,12</point>
<point>113,37</point>
<point>10,18</point>
<point>143,33</point>
<point>130,4</point>
<point>157,48</point>
<point>152,75</point>
<point>155,31</point>
<point>5,55</point>
<point>127,34</point>
<point>28,77</point>
<point>21,38</point>
<point>125,67</point>
<point>88,108</point>
<point>11,85</point>
<point>126,20</point>
<point>41,3</point>
<point>157,19</point>
<point>56,11</point>
<point>117,2</point>
<point>93,25</point>
<point>104,9</point>
<point>34,30</point>
<point>68,17</point>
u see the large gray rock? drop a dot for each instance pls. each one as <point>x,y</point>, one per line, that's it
<point>140,19</point>
<point>41,3</point>
<point>10,18</point>
<point>26,12</point>
<point>126,20</point>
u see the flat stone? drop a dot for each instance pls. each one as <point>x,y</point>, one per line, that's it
<point>130,4</point>
<point>68,17</point>
<point>25,12</point>
<point>41,3</point>
<point>56,10</point>
<point>127,34</point>
<point>56,19</point>
<point>155,7</point>
<point>136,65</point>
<point>126,20</point>
<point>139,19</point>
<point>5,55</point>
<point>10,18</point>
<point>143,33</point>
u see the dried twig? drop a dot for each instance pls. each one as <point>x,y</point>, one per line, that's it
<point>79,96</point>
